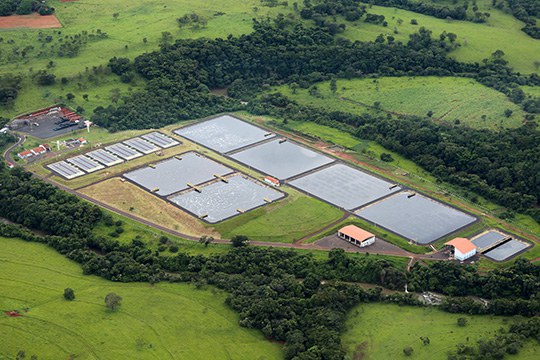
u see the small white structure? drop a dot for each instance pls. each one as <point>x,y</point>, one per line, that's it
<point>272,181</point>
<point>4,130</point>
<point>463,249</point>
<point>356,236</point>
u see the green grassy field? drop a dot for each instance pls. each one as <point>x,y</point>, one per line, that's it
<point>137,20</point>
<point>381,331</point>
<point>164,321</point>
<point>285,221</point>
<point>533,91</point>
<point>478,41</point>
<point>449,98</point>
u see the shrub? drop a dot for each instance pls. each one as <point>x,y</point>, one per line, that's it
<point>69,294</point>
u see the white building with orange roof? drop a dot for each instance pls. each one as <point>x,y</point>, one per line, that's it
<point>356,236</point>
<point>463,249</point>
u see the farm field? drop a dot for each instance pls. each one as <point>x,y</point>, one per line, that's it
<point>478,41</point>
<point>533,91</point>
<point>449,98</point>
<point>381,331</point>
<point>163,321</point>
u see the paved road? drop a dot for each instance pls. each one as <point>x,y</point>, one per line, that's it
<point>7,152</point>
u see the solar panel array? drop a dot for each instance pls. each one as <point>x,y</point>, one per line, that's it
<point>123,151</point>
<point>160,139</point>
<point>141,145</point>
<point>104,157</point>
<point>112,155</point>
<point>66,170</point>
<point>85,163</point>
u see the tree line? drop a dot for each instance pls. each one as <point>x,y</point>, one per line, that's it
<point>527,11</point>
<point>37,205</point>
<point>180,75</point>
<point>24,7</point>
<point>288,296</point>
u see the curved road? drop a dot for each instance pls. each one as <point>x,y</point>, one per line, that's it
<point>7,152</point>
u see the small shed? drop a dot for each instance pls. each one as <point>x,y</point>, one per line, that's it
<point>462,248</point>
<point>356,236</point>
<point>272,181</point>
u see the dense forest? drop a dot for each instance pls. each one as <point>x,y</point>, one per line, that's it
<point>502,166</point>
<point>279,292</point>
<point>24,7</point>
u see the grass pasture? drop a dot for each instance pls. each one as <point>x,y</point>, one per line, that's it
<point>164,321</point>
<point>449,98</point>
<point>381,331</point>
<point>287,220</point>
<point>137,20</point>
<point>478,41</point>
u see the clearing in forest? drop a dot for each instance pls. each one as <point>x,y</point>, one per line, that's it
<point>451,100</point>
<point>381,331</point>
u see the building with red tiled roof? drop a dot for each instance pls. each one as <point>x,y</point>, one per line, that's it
<point>462,248</point>
<point>356,236</point>
<point>25,154</point>
<point>39,150</point>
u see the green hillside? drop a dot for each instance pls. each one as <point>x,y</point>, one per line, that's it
<point>164,321</point>
<point>478,41</point>
<point>448,98</point>
<point>381,331</point>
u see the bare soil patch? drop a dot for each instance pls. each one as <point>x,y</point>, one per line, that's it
<point>34,21</point>
<point>130,198</point>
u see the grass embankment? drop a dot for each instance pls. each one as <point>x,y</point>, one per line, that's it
<point>163,321</point>
<point>381,331</point>
<point>451,100</point>
<point>478,41</point>
<point>284,221</point>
